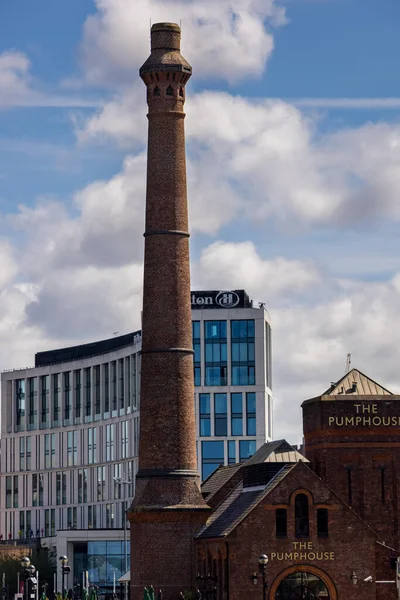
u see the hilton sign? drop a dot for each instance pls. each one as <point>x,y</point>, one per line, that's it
<point>220,299</point>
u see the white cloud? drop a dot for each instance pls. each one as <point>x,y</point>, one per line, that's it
<point>226,39</point>
<point>238,265</point>
<point>270,163</point>
<point>18,87</point>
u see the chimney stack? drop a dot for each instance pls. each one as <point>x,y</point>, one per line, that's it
<point>168,508</point>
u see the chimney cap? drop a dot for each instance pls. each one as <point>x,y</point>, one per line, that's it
<point>165,27</point>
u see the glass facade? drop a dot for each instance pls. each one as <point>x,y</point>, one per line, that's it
<point>197,352</point>
<point>215,346</point>
<point>250,413</point>
<point>205,415</point>
<point>236,414</point>
<point>246,449</point>
<point>243,366</point>
<point>103,560</point>
<point>212,457</point>
<point>220,414</point>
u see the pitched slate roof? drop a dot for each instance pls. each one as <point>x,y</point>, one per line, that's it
<point>356,384</point>
<point>238,505</point>
<point>217,479</point>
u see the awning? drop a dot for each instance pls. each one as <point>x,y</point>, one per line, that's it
<point>124,578</point>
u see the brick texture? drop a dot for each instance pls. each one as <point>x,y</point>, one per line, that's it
<point>360,459</point>
<point>168,508</point>
<point>350,547</point>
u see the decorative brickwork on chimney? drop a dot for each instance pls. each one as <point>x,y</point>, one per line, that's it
<point>168,508</point>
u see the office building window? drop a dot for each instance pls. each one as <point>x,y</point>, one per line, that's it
<point>121,384</point>
<point>212,456</point>
<point>110,437</point>
<point>34,489</point>
<point>92,517</point>
<point>70,441</point>
<point>8,491</point>
<point>75,447</point>
<point>231,452</point>
<point>215,353</point>
<point>58,488</point>
<point>67,397</point>
<point>82,485</point>
<point>116,477</point>
<point>88,398</point>
<point>92,445</point>
<point>32,406</point>
<point>28,452</point>
<point>46,522</point>
<point>97,404</point>
<point>246,449</point>
<point>101,483</point>
<point>250,413</point>
<point>205,415</point>
<point>20,402</point>
<point>281,522</point>
<point>78,394</point>
<point>113,385</point>
<point>243,353</point>
<point>106,389</point>
<point>47,451</point>
<point>56,397</point>
<point>41,489</point>
<point>22,462</point>
<point>53,521</point>
<point>197,352</point>
<point>64,487</point>
<point>236,414</point>
<point>45,387</point>
<point>53,450</point>
<point>124,439</point>
<point>110,516</point>
<point>220,414</point>
<point>128,382</point>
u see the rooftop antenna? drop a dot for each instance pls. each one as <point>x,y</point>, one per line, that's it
<point>348,362</point>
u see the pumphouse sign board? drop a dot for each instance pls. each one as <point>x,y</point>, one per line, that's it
<point>220,299</point>
<point>366,414</point>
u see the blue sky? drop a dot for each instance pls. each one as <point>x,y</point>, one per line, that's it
<point>293,174</point>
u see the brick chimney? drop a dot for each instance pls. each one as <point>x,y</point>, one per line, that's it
<point>168,508</point>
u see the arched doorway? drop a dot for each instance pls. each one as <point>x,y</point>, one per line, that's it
<point>303,582</point>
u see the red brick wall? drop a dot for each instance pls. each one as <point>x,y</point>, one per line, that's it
<point>334,449</point>
<point>350,541</point>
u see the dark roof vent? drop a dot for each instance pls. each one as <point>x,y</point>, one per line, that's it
<point>260,474</point>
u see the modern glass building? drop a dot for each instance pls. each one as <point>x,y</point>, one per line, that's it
<point>70,426</point>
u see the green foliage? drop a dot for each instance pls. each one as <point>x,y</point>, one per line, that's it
<point>44,561</point>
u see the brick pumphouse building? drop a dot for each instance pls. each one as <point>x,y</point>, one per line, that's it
<point>328,535</point>
<point>327,522</point>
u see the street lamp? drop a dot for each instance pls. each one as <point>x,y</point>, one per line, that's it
<point>25,562</point>
<point>65,569</point>
<point>124,482</point>
<point>262,563</point>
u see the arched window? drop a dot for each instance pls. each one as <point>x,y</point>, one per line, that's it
<point>301,515</point>
<point>181,92</point>
<point>302,585</point>
<point>156,91</point>
<point>170,91</point>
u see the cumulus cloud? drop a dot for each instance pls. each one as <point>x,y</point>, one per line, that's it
<point>270,162</point>
<point>228,39</point>
<point>239,265</point>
